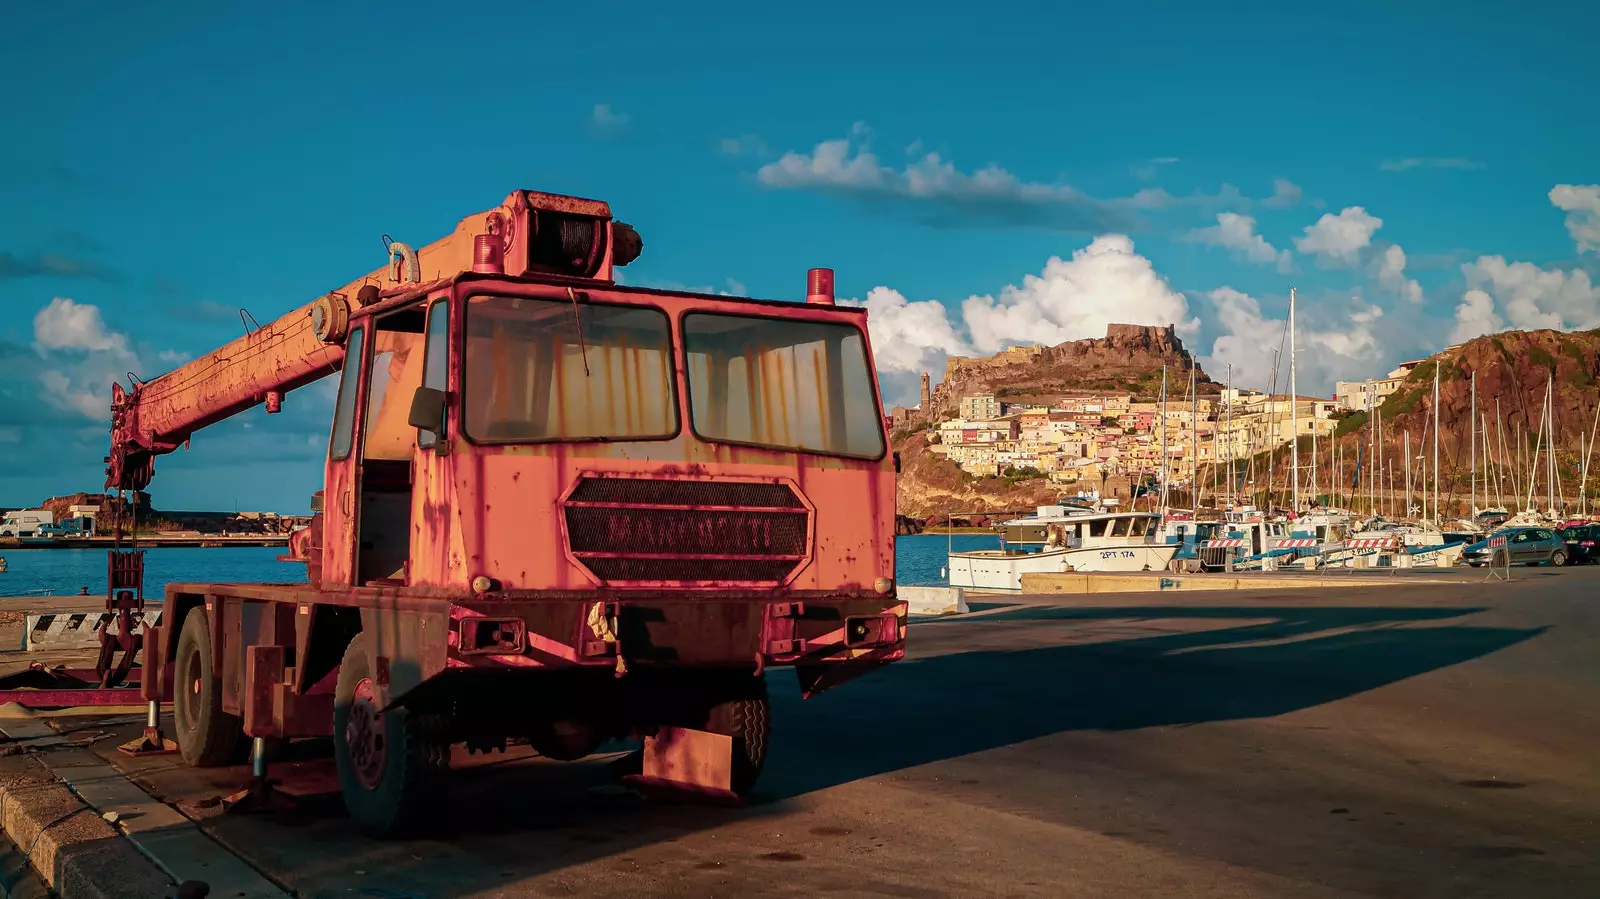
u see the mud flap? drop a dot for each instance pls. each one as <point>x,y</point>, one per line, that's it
<point>684,765</point>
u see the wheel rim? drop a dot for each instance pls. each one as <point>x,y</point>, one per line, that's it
<point>363,735</point>
<point>189,678</point>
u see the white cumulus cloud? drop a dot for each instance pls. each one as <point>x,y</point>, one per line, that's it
<point>1071,299</point>
<point>1475,317</point>
<point>1581,203</point>
<point>1390,270</point>
<point>909,337</point>
<point>1075,298</point>
<point>1238,233</point>
<point>1331,342</point>
<point>1527,295</point>
<point>81,357</point>
<point>1340,238</point>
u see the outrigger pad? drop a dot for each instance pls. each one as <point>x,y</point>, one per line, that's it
<point>685,765</point>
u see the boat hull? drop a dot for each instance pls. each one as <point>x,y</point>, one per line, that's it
<point>1001,571</point>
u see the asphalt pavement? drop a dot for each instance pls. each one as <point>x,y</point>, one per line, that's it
<point>1409,741</point>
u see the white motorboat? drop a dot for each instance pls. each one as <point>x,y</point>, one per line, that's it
<point>1090,541</point>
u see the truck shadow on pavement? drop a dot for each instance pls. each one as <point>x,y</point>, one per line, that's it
<point>950,702</point>
<point>1073,669</point>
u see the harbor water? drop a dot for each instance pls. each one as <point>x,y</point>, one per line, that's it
<point>919,560</point>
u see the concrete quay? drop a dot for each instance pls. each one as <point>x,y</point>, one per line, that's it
<point>1423,740</point>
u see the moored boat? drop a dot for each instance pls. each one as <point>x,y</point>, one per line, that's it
<point>1090,542</point>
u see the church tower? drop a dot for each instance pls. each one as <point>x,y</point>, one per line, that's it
<point>927,396</point>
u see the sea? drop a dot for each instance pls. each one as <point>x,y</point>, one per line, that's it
<point>919,561</point>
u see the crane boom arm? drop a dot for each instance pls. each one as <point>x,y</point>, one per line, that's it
<point>157,416</point>
<point>529,233</point>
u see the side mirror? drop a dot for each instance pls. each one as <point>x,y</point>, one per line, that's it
<point>896,463</point>
<point>427,410</point>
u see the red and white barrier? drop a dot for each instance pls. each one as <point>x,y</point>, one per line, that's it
<point>1226,542</point>
<point>1374,543</point>
<point>1294,542</point>
<point>1498,541</point>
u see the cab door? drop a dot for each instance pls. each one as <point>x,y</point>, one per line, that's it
<point>433,533</point>
<point>342,480</point>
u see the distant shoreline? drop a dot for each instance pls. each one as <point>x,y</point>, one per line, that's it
<point>144,541</point>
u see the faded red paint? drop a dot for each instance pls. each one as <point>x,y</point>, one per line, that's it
<point>638,550</point>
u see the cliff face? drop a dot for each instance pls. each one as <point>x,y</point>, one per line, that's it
<point>1513,368</point>
<point>1128,358</point>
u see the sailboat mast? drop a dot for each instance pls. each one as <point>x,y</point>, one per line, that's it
<point>1163,438</point>
<point>1408,473</point>
<point>1294,410</point>
<point>1229,503</point>
<point>1533,469</point>
<point>1436,513</point>
<point>1494,465</point>
<point>1314,497</point>
<point>1552,488</point>
<point>1583,487</point>
<point>1472,424</point>
<point>1194,441</point>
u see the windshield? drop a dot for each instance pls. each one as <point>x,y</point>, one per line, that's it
<point>782,383</point>
<point>530,372</point>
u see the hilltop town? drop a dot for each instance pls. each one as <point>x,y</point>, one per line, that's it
<point>1027,425</point>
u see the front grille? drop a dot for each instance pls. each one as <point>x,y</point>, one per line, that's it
<point>674,530</point>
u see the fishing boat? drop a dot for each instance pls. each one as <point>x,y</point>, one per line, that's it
<point>1091,541</point>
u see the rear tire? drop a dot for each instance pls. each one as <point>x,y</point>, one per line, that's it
<point>391,763</point>
<point>748,721</point>
<point>207,736</point>
<point>1558,558</point>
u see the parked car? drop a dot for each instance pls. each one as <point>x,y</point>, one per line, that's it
<point>1527,546</point>
<point>1583,543</point>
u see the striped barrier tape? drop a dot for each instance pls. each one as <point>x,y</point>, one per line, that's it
<point>1297,542</point>
<point>1374,543</point>
<point>1497,542</point>
<point>1226,542</point>
<point>74,630</point>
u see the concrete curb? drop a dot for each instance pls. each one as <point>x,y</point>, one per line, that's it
<point>76,852</point>
<point>933,600</point>
<point>167,845</point>
<point>1081,583</point>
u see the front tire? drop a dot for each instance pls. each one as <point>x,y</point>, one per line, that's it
<point>1558,558</point>
<point>748,720</point>
<point>207,735</point>
<point>392,762</point>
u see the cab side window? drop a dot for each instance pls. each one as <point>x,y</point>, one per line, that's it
<point>344,410</point>
<point>436,359</point>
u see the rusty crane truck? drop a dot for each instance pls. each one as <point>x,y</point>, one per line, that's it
<point>556,509</point>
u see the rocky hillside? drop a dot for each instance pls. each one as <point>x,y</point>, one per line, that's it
<point>1513,368</point>
<point>930,486</point>
<point>1128,358</point>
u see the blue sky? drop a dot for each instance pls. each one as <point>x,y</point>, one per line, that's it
<point>166,167</point>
